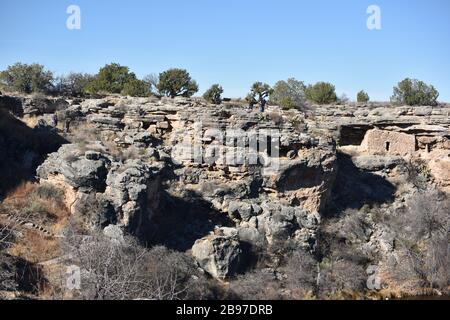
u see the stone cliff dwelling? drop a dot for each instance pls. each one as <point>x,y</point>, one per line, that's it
<point>382,141</point>
<point>395,140</point>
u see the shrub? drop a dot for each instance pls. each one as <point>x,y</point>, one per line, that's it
<point>422,241</point>
<point>289,94</point>
<point>362,97</point>
<point>343,99</point>
<point>321,93</point>
<point>301,272</point>
<point>176,82</point>
<point>136,88</point>
<point>413,92</point>
<point>259,93</point>
<point>256,285</point>
<point>8,281</point>
<point>339,277</point>
<point>111,78</point>
<point>122,269</point>
<point>214,94</point>
<point>26,78</point>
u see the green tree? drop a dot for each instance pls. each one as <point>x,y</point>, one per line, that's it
<point>321,93</point>
<point>214,94</point>
<point>362,97</point>
<point>74,84</point>
<point>111,78</point>
<point>289,94</point>
<point>413,92</point>
<point>136,88</point>
<point>259,93</point>
<point>176,82</point>
<point>26,78</point>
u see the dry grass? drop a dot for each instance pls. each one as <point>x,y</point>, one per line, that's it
<point>42,205</point>
<point>83,132</point>
<point>35,248</point>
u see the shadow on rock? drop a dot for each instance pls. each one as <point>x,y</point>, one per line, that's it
<point>22,150</point>
<point>20,275</point>
<point>184,220</point>
<point>355,188</point>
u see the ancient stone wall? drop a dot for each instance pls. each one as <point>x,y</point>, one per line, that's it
<point>389,142</point>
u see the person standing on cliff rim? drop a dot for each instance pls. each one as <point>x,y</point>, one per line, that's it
<point>262,105</point>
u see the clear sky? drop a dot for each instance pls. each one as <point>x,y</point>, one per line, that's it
<point>237,42</point>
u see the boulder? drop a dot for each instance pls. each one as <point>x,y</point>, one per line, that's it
<point>219,254</point>
<point>306,181</point>
<point>278,222</point>
<point>79,170</point>
<point>115,233</point>
<point>252,236</point>
<point>240,210</point>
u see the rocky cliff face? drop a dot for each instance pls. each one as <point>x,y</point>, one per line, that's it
<point>216,180</point>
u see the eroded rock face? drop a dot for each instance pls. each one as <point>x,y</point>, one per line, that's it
<point>306,182</point>
<point>133,189</point>
<point>104,191</point>
<point>280,223</point>
<point>219,254</point>
<point>440,169</point>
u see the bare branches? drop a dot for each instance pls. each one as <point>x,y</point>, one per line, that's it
<point>122,270</point>
<point>423,240</point>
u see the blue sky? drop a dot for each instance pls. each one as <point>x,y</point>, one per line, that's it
<point>237,42</point>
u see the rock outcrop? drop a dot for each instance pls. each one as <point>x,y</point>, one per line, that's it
<point>102,190</point>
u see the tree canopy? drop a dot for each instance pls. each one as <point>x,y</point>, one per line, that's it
<point>321,93</point>
<point>413,92</point>
<point>112,78</point>
<point>214,94</point>
<point>176,82</point>
<point>362,97</point>
<point>289,94</point>
<point>26,78</point>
